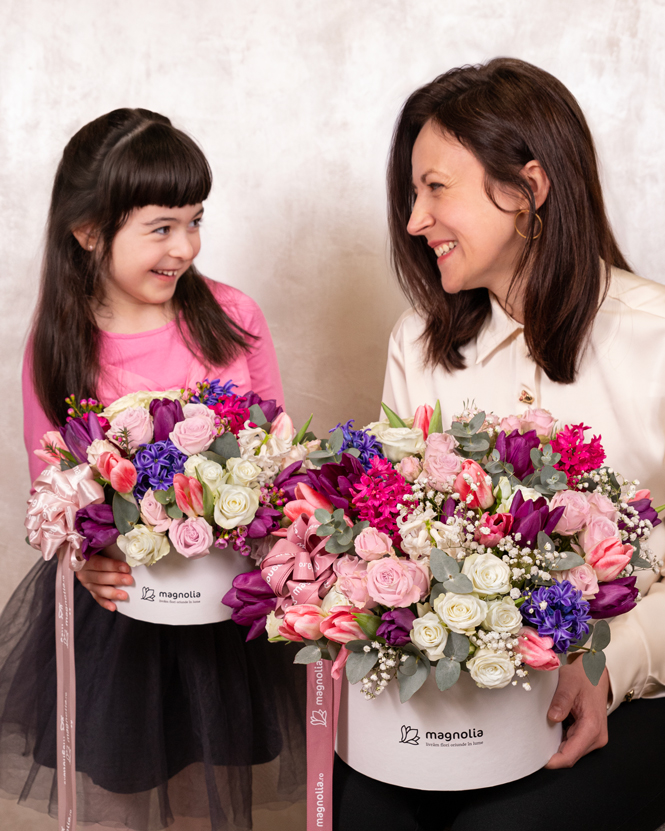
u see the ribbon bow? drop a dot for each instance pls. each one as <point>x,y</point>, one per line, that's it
<point>59,494</point>
<point>300,556</point>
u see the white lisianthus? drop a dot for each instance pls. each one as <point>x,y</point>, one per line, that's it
<point>98,447</point>
<point>503,616</point>
<point>211,473</point>
<point>143,546</point>
<point>398,442</point>
<point>491,670</point>
<point>461,613</point>
<point>235,505</point>
<point>137,399</point>
<point>242,472</point>
<point>250,439</point>
<point>488,573</point>
<point>430,635</point>
<point>334,598</point>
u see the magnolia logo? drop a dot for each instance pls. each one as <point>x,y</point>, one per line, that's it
<point>409,735</point>
<point>319,718</point>
<point>147,594</point>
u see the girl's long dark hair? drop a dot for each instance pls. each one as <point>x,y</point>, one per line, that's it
<point>507,113</point>
<point>126,159</point>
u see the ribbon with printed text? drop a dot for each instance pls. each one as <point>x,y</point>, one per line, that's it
<point>323,696</point>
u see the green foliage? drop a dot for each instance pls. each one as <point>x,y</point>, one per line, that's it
<point>257,415</point>
<point>359,664</point>
<point>410,684</point>
<point>125,513</point>
<point>300,435</point>
<point>446,569</point>
<point>594,664</point>
<point>457,647</point>
<point>308,655</point>
<point>447,672</point>
<point>393,419</point>
<point>637,561</point>
<point>472,443</point>
<point>436,422</point>
<point>340,535</point>
<point>226,446</point>
<point>368,623</point>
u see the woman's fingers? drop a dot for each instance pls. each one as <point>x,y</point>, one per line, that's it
<point>102,577</point>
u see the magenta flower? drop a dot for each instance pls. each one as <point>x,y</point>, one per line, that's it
<point>577,456</point>
<point>234,411</point>
<point>378,496</point>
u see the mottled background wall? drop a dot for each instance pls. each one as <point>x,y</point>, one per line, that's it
<point>294,101</point>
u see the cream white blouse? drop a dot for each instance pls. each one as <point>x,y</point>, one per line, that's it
<point>619,393</point>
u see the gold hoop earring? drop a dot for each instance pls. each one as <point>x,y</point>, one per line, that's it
<point>525,211</point>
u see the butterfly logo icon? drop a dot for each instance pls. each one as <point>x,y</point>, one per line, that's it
<point>147,594</point>
<point>409,735</point>
<point>319,718</point>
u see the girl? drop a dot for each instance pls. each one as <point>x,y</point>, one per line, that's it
<point>522,298</point>
<point>171,719</point>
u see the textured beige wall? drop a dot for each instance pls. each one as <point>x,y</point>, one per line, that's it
<point>294,101</point>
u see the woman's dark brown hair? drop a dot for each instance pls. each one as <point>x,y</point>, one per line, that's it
<point>507,113</point>
<point>126,159</point>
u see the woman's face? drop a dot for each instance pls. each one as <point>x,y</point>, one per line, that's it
<point>475,242</point>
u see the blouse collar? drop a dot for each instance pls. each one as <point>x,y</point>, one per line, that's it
<point>497,329</point>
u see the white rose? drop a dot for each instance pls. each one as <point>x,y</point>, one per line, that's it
<point>137,399</point>
<point>429,634</point>
<point>272,625</point>
<point>242,472</point>
<point>235,506</point>
<point>503,616</point>
<point>334,598</point>
<point>398,442</point>
<point>192,463</point>
<point>491,670</point>
<point>98,447</point>
<point>488,573</point>
<point>212,473</point>
<point>142,546</point>
<point>462,613</point>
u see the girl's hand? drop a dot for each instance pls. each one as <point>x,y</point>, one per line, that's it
<point>100,575</point>
<point>577,697</point>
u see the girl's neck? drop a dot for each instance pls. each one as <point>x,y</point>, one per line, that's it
<point>132,319</point>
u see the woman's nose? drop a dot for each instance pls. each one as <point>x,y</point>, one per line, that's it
<point>420,219</point>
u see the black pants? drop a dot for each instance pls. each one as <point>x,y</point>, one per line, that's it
<point>620,787</point>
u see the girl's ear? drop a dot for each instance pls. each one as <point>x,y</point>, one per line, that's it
<point>86,236</point>
<point>538,180</point>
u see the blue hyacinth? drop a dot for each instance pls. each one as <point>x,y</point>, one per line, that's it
<point>211,392</point>
<point>369,446</point>
<point>156,465</point>
<point>563,616</point>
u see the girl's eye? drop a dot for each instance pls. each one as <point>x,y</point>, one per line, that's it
<point>196,223</point>
<point>163,231</point>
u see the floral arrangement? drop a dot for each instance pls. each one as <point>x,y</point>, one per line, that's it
<point>496,546</point>
<point>184,469</point>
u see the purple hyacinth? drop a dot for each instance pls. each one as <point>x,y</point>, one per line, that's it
<point>156,465</point>
<point>165,415</point>
<point>95,524</point>
<point>368,446</point>
<point>516,450</point>
<point>212,392</point>
<point>79,433</point>
<point>531,516</point>
<point>335,480</point>
<point>252,600</point>
<point>557,612</point>
<point>395,627</point>
<point>615,598</point>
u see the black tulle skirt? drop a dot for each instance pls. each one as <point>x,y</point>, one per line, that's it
<point>171,720</point>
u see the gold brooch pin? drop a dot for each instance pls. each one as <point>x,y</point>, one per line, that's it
<point>526,397</point>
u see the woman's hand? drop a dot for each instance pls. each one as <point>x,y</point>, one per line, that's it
<point>100,575</point>
<point>576,696</point>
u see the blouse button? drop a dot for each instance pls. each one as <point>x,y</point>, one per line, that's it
<point>526,398</point>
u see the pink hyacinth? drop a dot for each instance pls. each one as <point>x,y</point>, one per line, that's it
<point>378,496</point>
<point>577,456</point>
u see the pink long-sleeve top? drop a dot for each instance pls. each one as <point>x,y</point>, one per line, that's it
<point>160,360</point>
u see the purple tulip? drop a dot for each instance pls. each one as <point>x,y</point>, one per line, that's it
<point>645,509</point>
<point>395,627</point>
<point>615,598</point>
<point>269,406</point>
<point>516,450</point>
<point>266,520</point>
<point>288,479</point>
<point>531,516</point>
<point>252,600</point>
<point>95,524</point>
<point>79,433</point>
<point>165,415</point>
<point>335,480</point>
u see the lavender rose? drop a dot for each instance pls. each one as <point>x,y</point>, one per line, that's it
<point>191,537</point>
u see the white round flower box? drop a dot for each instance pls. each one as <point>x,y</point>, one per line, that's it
<point>460,739</point>
<point>180,591</point>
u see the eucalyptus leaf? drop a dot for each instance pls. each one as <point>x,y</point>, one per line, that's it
<point>357,646</point>
<point>226,446</point>
<point>594,664</point>
<point>359,664</point>
<point>478,445</point>
<point>601,635</point>
<point>409,666</point>
<point>437,589</point>
<point>125,514</point>
<point>536,457</point>
<point>352,451</point>
<point>334,547</point>
<point>162,497</point>
<point>565,561</point>
<point>447,672</point>
<point>457,647</point>
<point>476,422</point>
<point>212,457</point>
<point>257,415</point>
<point>436,422</point>
<point>325,530</point>
<point>208,499</point>
<point>393,419</point>
<point>174,511</point>
<point>442,565</point>
<point>459,584</point>
<point>322,515</point>
<point>410,684</point>
<point>308,655</point>
<point>637,561</point>
<point>336,441</point>
<point>580,643</point>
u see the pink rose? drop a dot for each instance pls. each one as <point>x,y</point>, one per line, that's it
<point>609,558</point>
<point>154,513</point>
<point>51,441</point>
<point>352,579</point>
<point>539,420</point>
<point>371,544</point>
<point>188,494</point>
<point>422,418</point>
<point>582,578</point>
<point>537,651</point>
<point>410,467</point>
<point>474,486</point>
<point>191,537</point>
<point>510,423</point>
<point>302,621</point>
<point>598,528</point>
<point>341,626</point>
<point>390,581</point>
<point>196,433</point>
<point>601,505</point>
<point>492,528</point>
<point>200,411</point>
<point>420,575</point>
<point>576,512</point>
<point>441,468</point>
<point>439,443</point>
<point>134,423</point>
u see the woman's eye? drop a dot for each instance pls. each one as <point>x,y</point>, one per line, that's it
<point>435,185</point>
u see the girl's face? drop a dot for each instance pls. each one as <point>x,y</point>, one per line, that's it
<point>475,242</point>
<point>151,252</point>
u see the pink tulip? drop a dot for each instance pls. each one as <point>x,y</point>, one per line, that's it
<point>51,441</point>
<point>282,427</point>
<point>341,626</point>
<point>123,476</point>
<point>645,493</point>
<point>308,501</point>
<point>492,528</point>
<point>302,622</point>
<point>474,486</point>
<point>106,463</point>
<point>188,494</point>
<point>340,663</point>
<point>609,558</point>
<point>537,651</point>
<point>422,418</point>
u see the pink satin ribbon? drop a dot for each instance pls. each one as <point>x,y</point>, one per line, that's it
<point>323,696</point>
<point>59,494</point>
<point>298,568</point>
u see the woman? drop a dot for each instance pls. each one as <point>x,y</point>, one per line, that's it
<point>522,298</point>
